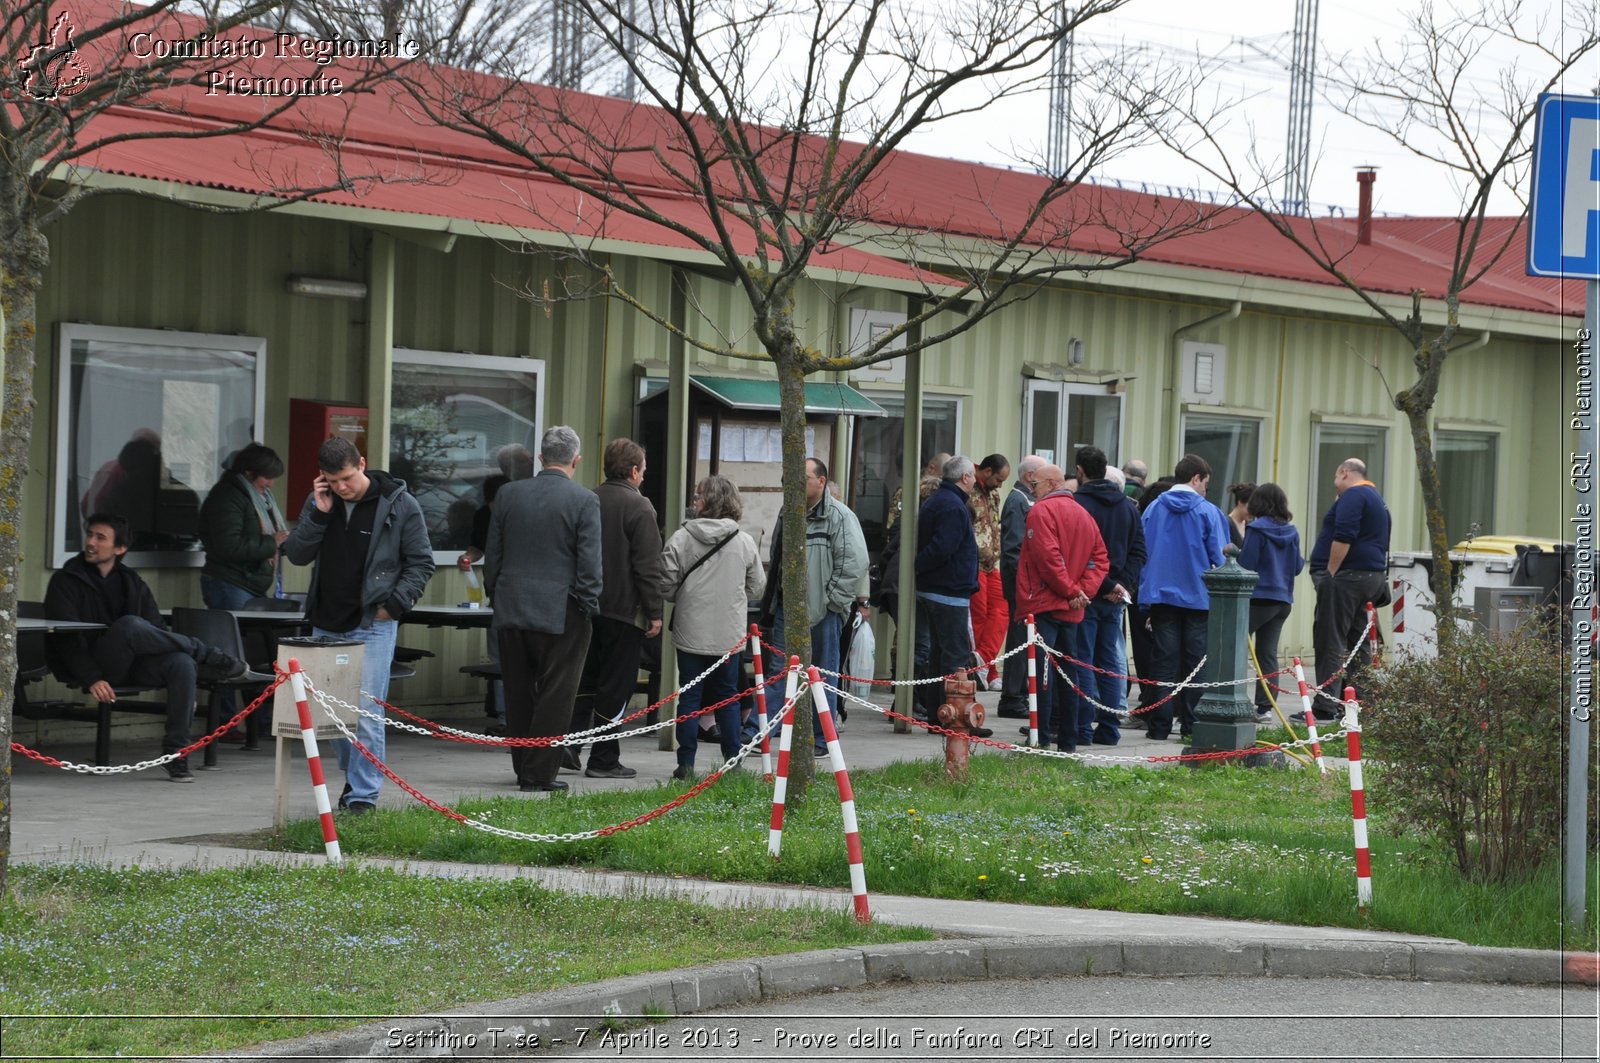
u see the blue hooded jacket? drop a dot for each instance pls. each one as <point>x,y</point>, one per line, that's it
<point>1272,550</point>
<point>1184,535</point>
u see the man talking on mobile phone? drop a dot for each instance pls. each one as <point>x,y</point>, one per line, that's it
<point>365,536</point>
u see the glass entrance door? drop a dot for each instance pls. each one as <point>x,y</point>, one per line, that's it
<point>1060,417</point>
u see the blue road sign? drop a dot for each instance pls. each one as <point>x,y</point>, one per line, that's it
<point>1564,208</point>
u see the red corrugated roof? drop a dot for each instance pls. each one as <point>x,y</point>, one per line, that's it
<point>405,163</point>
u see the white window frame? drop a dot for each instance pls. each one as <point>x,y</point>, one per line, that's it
<point>1258,420</point>
<point>1063,389</point>
<point>534,367</point>
<point>1378,476</point>
<point>66,335</point>
<point>1493,432</point>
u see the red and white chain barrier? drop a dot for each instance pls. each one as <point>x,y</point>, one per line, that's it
<point>1311,718</point>
<point>319,783</point>
<point>1398,610</point>
<point>761,701</point>
<point>847,797</point>
<point>1358,799</point>
<point>1033,683</point>
<point>780,783</point>
<point>154,762</point>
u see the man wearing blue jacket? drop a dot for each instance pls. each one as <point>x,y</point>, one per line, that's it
<point>1348,569</point>
<point>1100,634</point>
<point>947,578</point>
<point>1184,535</point>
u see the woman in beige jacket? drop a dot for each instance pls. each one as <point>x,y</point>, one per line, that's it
<point>710,571</point>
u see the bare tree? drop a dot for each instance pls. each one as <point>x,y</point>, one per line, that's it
<point>1458,90</point>
<point>64,68</point>
<point>770,144</point>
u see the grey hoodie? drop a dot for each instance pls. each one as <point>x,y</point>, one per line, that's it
<point>712,605</point>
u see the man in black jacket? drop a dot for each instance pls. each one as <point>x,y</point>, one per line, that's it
<point>136,647</point>
<point>1100,638</point>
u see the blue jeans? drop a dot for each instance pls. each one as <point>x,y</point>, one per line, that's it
<point>218,594</point>
<point>948,629</point>
<point>1059,704</point>
<point>824,654</point>
<point>1100,643</point>
<point>363,778</point>
<point>719,685</point>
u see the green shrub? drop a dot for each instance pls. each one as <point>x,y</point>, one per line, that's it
<point>1472,747</point>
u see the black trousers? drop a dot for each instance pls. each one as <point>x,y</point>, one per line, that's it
<point>1266,624</point>
<point>134,651</point>
<point>1340,619</point>
<point>1014,680</point>
<point>610,673</point>
<point>541,673</point>
<point>1177,643</point>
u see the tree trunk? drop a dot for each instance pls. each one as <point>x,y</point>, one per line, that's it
<point>1416,402</point>
<point>787,359</point>
<point>23,257</point>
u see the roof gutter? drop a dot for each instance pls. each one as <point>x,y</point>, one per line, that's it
<point>1174,395</point>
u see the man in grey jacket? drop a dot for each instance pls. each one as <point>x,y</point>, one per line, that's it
<point>1013,528</point>
<point>365,536</point>
<point>542,570</point>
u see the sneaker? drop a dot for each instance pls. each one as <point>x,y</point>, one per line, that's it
<point>178,771</point>
<point>359,808</point>
<point>215,665</point>
<point>619,772</point>
<point>996,682</point>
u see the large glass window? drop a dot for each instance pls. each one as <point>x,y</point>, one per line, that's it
<point>1331,444</point>
<point>1059,418</point>
<point>449,416</point>
<point>879,442</point>
<point>1467,478</point>
<point>1230,445</point>
<point>146,421</point>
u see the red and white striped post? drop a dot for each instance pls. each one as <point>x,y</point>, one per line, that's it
<point>1397,614</point>
<point>319,784</point>
<point>1311,718</point>
<point>780,784</point>
<point>847,797</point>
<point>1033,684</point>
<point>1358,800</point>
<point>761,701</point>
<point>1372,635</point>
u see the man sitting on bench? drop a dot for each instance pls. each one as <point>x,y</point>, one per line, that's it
<point>136,647</point>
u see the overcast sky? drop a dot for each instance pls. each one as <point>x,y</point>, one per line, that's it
<point>1253,33</point>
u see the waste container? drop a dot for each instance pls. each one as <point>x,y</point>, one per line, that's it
<point>334,666</point>
<point>1484,572</point>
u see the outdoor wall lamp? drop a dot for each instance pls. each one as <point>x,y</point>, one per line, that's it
<point>325,287</point>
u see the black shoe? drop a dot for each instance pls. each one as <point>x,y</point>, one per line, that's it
<point>178,771</point>
<point>618,772</point>
<point>1024,729</point>
<point>554,786</point>
<point>214,664</point>
<point>683,773</point>
<point>982,732</point>
<point>570,760</point>
<point>1012,712</point>
<point>359,808</point>
<point>344,796</point>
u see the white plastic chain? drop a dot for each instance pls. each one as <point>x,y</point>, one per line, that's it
<point>937,678</point>
<point>1063,755</point>
<point>115,769</point>
<point>745,750</point>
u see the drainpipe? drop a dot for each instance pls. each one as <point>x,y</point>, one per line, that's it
<point>1170,439</point>
<point>1480,342</point>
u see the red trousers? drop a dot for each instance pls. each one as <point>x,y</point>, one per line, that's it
<point>989,619</point>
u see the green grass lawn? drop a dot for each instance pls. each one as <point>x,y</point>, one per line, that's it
<point>82,949</point>
<point>1221,840</point>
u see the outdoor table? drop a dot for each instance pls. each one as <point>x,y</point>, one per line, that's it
<point>51,627</point>
<point>459,616</point>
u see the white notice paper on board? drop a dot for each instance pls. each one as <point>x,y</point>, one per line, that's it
<point>705,442</point>
<point>733,446</point>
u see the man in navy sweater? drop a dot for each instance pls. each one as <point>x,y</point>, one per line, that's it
<point>1348,569</point>
<point>947,578</point>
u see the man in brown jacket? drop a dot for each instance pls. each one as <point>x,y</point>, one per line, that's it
<point>630,607</point>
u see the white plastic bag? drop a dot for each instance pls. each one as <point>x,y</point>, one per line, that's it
<point>863,659</point>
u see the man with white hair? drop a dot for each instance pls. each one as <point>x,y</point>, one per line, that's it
<point>1013,527</point>
<point>542,568</point>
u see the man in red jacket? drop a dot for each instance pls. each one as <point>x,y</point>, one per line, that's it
<point>1062,565</point>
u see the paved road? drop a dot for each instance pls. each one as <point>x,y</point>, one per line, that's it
<point>1136,1018</point>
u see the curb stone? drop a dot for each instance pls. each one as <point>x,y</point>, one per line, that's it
<point>556,1017</point>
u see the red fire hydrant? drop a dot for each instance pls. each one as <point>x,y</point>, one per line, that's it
<point>961,715</point>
